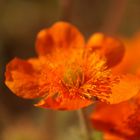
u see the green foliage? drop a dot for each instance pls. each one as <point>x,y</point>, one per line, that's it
<point>97,135</point>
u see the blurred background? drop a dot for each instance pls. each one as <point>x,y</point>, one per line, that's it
<point>20,21</point>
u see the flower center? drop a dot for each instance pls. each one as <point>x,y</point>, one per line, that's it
<point>73,77</point>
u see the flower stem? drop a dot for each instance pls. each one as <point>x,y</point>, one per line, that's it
<point>85,128</point>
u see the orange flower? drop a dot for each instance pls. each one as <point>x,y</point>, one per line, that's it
<point>68,74</point>
<point>121,120</point>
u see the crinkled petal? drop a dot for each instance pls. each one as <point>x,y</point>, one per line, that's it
<point>60,35</point>
<point>126,88</point>
<point>110,48</point>
<point>22,79</point>
<point>60,102</point>
<point>123,121</point>
<point>113,118</point>
<point>38,64</point>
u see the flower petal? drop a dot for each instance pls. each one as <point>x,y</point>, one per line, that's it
<point>21,79</point>
<point>110,48</point>
<point>127,88</point>
<point>130,62</point>
<point>116,123</point>
<point>123,121</point>
<point>64,102</point>
<point>60,35</point>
